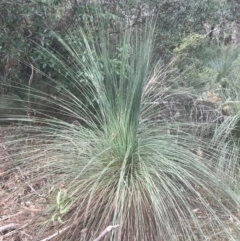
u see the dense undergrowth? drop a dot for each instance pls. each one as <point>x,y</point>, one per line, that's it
<point>148,145</point>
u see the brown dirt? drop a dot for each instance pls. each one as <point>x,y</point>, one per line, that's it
<point>22,207</point>
<point>18,212</point>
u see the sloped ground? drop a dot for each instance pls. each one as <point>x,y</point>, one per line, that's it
<point>17,213</point>
<point>22,205</point>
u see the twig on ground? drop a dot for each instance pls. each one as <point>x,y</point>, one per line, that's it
<point>26,234</point>
<point>32,189</point>
<point>10,216</point>
<point>7,227</point>
<point>15,231</point>
<point>3,174</point>
<point>55,234</point>
<point>29,90</point>
<point>108,229</point>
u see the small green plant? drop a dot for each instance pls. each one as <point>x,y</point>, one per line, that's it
<point>190,43</point>
<point>63,203</point>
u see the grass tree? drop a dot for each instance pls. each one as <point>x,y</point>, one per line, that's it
<point>118,162</point>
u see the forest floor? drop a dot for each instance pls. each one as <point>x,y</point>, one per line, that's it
<point>18,212</point>
<point>22,208</point>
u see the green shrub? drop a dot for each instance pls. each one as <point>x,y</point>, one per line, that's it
<point>119,162</point>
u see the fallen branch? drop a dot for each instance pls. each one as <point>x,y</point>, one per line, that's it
<point>55,234</point>
<point>7,227</point>
<point>29,90</point>
<point>26,234</point>
<point>10,216</point>
<point>14,231</point>
<point>32,189</point>
<point>108,229</point>
<point>2,174</point>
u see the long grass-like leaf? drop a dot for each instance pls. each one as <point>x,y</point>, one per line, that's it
<point>118,161</point>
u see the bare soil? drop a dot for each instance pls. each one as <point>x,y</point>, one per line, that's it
<point>18,212</point>
<point>22,207</point>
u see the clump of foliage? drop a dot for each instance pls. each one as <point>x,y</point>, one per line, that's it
<point>189,43</point>
<point>119,162</point>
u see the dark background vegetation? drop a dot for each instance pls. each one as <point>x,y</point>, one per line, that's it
<point>26,26</point>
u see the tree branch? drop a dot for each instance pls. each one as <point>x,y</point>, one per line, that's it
<point>108,229</point>
<point>8,226</point>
